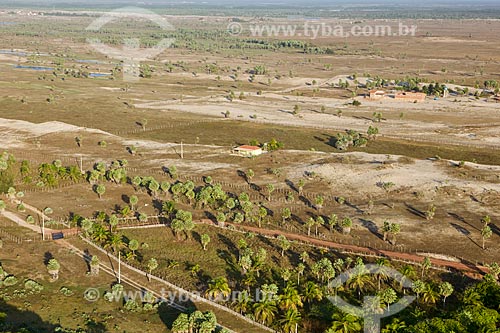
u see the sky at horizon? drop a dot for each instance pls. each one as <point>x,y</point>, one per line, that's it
<point>306,3</point>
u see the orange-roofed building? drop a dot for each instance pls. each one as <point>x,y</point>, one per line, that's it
<point>248,151</point>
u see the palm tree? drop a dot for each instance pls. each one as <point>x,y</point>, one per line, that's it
<point>218,287</point>
<point>472,297</point>
<point>115,242</point>
<point>408,273</point>
<point>300,185</point>
<point>300,271</point>
<point>360,282</point>
<point>346,225</point>
<point>284,244</point>
<point>99,234</point>
<point>318,202</point>
<point>133,245</point>
<point>318,223</point>
<point>181,324</point>
<point>152,264</point>
<point>113,222</point>
<point>395,230</point>
<point>494,270</point>
<point>100,190</point>
<point>195,269</point>
<point>394,327</point>
<point>94,265</point>
<point>388,296</point>
<point>332,221</point>
<point>418,287</point>
<point>381,272</point>
<point>290,299</point>
<point>45,212</point>
<point>429,294</point>
<point>205,239</point>
<point>445,290</point>
<point>53,267</point>
<point>309,223</point>
<point>249,175</point>
<point>133,200</point>
<point>312,292</point>
<point>485,234</point>
<point>270,189</point>
<point>262,215</point>
<point>426,265</point>
<point>290,321</point>
<point>386,229</point>
<point>265,311</point>
<point>345,323</point>
<point>242,303</point>
<point>285,214</point>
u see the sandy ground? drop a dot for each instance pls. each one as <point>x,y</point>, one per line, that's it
<point>15,133</point>
<point>369,170</point>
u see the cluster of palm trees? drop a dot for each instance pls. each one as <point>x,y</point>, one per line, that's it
<point>50,174</point>
<point>283,305</point>
<point>115,172</point>
<point>197,322</point>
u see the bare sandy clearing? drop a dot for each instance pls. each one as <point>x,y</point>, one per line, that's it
<point>32,129</point>
<point>370,171</point>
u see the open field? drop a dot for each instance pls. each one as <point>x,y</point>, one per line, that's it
<point>88,146</point>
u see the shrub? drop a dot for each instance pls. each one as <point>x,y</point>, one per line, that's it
<point>10,280</point>
<point>21,208</point>
<point>131,305</point>
<point>33,285</point>
<point>66,291</point>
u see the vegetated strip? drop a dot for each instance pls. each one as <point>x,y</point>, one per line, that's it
<point>194,297</point>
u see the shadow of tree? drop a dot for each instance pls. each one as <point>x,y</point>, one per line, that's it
<point>17,320</point>
<point>415,211</point>
<point>46,257</point>
<point>372,227</point>
<point>460,229</point>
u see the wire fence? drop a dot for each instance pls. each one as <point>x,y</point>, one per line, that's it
<point>192,296</point>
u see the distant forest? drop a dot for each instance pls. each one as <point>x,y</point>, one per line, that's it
<point>382,9</point>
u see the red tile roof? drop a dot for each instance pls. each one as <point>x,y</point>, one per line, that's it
<point>245,147</point>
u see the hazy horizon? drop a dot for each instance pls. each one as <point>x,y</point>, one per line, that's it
<point>304,3</point>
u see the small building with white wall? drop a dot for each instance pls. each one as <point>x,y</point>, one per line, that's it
<point>247,151</point>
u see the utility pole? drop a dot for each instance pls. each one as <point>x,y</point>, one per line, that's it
<point>182,150</point>
<point>119,268</point>
<point>43,226</point>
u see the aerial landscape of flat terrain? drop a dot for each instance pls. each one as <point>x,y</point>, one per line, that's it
<point>244,167</point>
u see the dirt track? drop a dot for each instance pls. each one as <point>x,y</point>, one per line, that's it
<point>470,269</point>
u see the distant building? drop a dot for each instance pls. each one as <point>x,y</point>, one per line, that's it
<point>376,94</point>
<point>247,151</point>
<point>409,96</point>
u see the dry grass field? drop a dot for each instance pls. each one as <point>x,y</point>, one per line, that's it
<point>203,97</point>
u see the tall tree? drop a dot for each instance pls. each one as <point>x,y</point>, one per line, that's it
<point>100,190</point>
<point>218,287</point>
<point>152,264</point>
<point>205,239</point>
<point>485,234</point>
<point>284,243</point>
<point>290,321</point>
<point>445,290</point>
